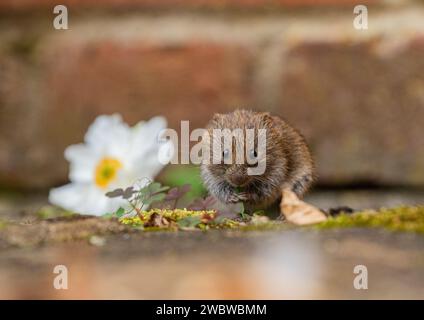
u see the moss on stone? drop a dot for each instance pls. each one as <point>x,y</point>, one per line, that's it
<point>51,212</point>
<point>405,218</point>
<point>202,220</point>
<point>174,215</point>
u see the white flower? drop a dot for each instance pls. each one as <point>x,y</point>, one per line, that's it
<point>112,156</point>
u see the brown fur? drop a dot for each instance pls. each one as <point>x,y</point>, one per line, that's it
<point>288,162</point>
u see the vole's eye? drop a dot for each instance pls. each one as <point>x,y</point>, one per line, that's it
<point>226,153</point>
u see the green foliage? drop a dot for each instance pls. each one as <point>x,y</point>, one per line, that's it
<point>151,193</point>
<point>120,212</point>
<point>155,195</point>
<point>181,175</point>
<point>242,212</point>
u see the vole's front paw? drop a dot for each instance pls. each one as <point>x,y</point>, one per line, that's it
<point>233,198</point>
<point>238,197</point>
<point>243,196</point>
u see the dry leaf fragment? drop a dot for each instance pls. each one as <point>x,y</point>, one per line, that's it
<point>299,212</point>
<point>157,220</point>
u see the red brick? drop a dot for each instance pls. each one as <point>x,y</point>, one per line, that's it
<point>359,108</point>
<point>79,81</point>
<point>142,80</point>
<point>361,111</point>
<point>17,122</point>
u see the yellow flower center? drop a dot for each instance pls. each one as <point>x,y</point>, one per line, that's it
<point>106,171</point>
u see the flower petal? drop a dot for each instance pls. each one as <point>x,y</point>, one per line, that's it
<point>109,134</point>
<point>84,199</point>
<point>144,159</point>
<point>145,136</point>
<point>166,152</point>
<point>83,161</point>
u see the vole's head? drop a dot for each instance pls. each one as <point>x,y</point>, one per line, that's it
<point>245,151</point>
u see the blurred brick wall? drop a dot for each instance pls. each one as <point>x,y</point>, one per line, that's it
<point>358,96</point>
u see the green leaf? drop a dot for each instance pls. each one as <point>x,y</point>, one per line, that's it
<point>179,175</point>
<point>120,212</point>
<point>162,188</point>
<point>241,208</point>
<point>189,222</point>
<point>156,187</point>
<point>151,189</point>
<point>155,198</point>
<point>142,194</point>
<point>242,212</point>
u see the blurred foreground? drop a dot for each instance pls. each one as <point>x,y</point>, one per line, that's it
<point>288,264</point>
<point>222,265</point>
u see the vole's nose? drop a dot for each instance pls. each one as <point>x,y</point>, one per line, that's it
<point>238,180</point>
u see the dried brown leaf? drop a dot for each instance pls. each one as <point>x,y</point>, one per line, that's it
<point>299,212</point>
<point>157,220</point>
